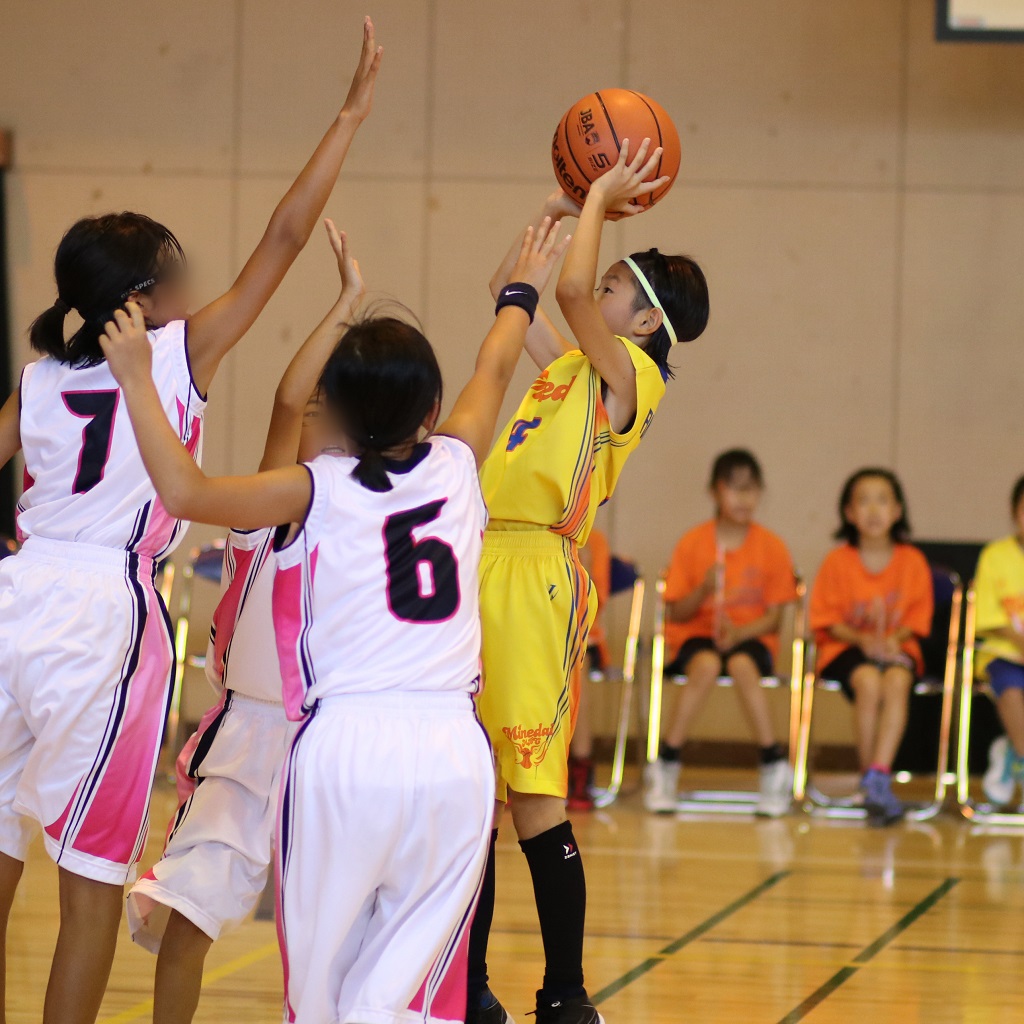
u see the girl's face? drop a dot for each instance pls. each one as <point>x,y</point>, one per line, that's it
<point>169,299</point>
<point>320,434</point>
<point>616,293</point>
<point>737,498</point>
<point>873,508</point>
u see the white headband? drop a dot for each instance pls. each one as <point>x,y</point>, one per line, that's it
<point>655,301</point>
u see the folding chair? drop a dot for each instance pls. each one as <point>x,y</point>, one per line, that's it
<point>941,653</point>
<point>715,801</point>
<point>206,563</point>
<point>981,813</point>
<point>625,579</point>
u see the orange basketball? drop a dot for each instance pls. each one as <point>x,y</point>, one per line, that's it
<point>587,140</point>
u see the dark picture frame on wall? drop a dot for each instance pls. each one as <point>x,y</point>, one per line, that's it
<point>953,23</point>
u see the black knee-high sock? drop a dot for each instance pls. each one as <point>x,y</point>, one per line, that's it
<point>560,888</point>
<point>480,930</point>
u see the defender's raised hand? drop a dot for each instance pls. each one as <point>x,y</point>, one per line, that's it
<point>540,252</point>
<point>360,93</point>
<point>352,286</point>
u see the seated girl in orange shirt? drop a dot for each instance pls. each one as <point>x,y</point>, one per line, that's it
<point>728,583</point>
<point>872,600</point>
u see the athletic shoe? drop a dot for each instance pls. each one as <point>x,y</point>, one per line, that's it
<point>882,805</point>
<point>581,783</point>
<point>487,1011</point>
<point>776,782</point>
<point>1000,780</point>
<point>578,1010</point>
<point>661,780</point>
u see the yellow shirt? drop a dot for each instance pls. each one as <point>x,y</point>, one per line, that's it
<point>999,591</point>
<point>558,459</point>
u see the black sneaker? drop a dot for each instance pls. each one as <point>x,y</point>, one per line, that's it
<point>487,1011</point>
<point>578,1010</point>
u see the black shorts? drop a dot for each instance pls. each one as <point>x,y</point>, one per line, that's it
<point>842,667</point>
<point>753,649</point>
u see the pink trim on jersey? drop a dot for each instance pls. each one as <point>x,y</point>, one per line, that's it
<point>161,526</point>
<point>225,615</point>
<point>447,998</point>
<point>292,604</point>
<point>122,795</point>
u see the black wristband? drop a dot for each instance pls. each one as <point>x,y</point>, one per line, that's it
<point>520,294</point>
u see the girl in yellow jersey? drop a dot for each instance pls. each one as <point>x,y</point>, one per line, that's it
<point>552,466</point>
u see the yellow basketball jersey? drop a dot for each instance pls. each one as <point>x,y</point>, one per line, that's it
<point>558,459</point>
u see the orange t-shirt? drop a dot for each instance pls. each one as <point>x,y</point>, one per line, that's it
<point>758,576</point>
<point>898,597</point>
<point>599,556</point>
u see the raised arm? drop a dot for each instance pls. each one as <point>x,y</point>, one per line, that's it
<point>246,502</point>
<point>10,429</point>
<point>475,413</point>
<point>611,193</point>
<point>544,342</point>
<point>303,372</point>
<point>215,329</point>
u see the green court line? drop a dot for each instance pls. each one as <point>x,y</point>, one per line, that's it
<point>867,953</point>
<point>684,940</point>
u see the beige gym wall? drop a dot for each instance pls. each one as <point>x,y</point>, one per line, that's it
<point>854,190</point>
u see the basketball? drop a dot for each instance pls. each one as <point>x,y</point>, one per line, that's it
<point>588,138</point>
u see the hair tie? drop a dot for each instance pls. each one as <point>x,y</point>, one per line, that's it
<point>652,295</point>
<point>61,306</point>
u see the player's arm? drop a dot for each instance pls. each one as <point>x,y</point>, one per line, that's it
<point>303,372</point>
<point>765,625</point>
<point>613,192</point>
<point>10,429</point>
<point>544,342</point>
<point>687,606</point>
<point>247,502</point>
<point>215,329</point>
<point>475,413</point>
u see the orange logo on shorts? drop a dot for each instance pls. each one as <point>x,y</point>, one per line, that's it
<point>531,744</point>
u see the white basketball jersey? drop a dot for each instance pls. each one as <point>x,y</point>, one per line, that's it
<point>379,591</point>
<point>243,654</point>
<point>85,480</point>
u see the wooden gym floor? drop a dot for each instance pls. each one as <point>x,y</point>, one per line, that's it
<point>691,920</point>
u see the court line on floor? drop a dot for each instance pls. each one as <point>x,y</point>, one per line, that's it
<point>254,956</point>
<point>692,935</point>
<point>844,974</point>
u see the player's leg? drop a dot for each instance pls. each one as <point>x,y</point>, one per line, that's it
<point>883,806</point>
<point>865,682</point>
<point>1006,755</point>
<point>179,971</point>
<point>702,665</point>
<point>90,913</point>
<point>747,667</point>
<point>10,875</point>
<point>478,995</point>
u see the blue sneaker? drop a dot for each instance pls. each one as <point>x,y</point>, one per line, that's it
<point>882,805</point>
<point>487,1010</point>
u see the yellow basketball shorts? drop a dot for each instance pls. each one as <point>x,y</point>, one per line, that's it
<point>536,607</point>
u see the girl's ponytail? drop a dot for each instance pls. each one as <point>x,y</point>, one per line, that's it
<point>370,471</point>
<point>47,331</point>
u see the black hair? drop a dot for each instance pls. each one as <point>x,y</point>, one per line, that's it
<point>900,531</point>
<point>1017,496</point>
<point>381,381</point>
<point>98,262</point>
<point>732,460</point>
<point>682,290</point>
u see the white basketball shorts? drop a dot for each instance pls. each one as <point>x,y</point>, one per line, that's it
<point>86,660</point>
<point>219,845</point>
<point>384,828</point>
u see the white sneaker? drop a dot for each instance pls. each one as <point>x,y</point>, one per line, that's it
<point>776,789</point>
<point>661,779</point>
<point>999,783</point>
